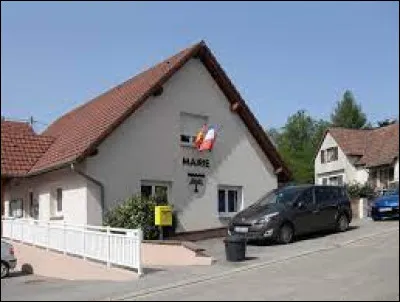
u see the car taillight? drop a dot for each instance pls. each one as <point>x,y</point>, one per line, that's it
<point>11,251</point>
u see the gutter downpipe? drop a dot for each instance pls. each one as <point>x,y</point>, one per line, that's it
<point>95,181</point>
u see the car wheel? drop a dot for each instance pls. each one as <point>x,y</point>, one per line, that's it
<point>342,223</point>
<point>4,270</point>
<point>286,233</point>
<point>375,218</point>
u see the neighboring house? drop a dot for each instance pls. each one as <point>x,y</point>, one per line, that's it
<point>359,155</point>
<point>136,138</point>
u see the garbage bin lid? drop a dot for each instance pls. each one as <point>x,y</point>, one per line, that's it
<point>235,238</point>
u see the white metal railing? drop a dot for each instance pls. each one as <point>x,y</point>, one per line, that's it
<point>110,245</point>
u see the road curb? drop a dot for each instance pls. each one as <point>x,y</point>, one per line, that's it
<point>203,279</point>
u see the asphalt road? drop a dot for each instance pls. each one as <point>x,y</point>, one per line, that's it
<point>326,267</point>
<point>364,270</point>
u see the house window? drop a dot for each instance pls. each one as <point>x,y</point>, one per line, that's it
<point>59,201</point>
<point>16,208</point>
<point>159,191</point>
<point>324,181</point>
<point>331,154</point>
<point>336,180</point>
<point>190,124</point>
<point>229,199</point>
<point>391,173</point>
<point>322,156</point>
<point>33,206</point>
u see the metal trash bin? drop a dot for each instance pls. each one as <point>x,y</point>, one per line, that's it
<point>235,248</point>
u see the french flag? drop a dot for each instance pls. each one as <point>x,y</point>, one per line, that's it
<point>209,140</point>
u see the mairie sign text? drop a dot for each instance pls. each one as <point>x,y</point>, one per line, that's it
<point>196,162</point>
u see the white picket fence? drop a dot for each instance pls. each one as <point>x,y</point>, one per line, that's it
<point>110,245</point>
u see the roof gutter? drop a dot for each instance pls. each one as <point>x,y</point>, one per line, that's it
<point>96,182</point>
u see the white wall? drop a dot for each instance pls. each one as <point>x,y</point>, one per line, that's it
<point>342,166</point>
<point>146,147</point>
<point>396,170</point>
<point>74,194</point>
<point>362,175</point>
<point>94,212</point>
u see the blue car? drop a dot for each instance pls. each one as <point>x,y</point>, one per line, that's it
<point>386,206</point>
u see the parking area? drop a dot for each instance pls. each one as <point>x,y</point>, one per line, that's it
<point>35,287</point>
<point>256,251</point>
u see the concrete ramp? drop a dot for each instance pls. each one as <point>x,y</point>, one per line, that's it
<point>57,265</point>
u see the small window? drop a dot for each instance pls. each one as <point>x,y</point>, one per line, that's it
<point>340,180</point>
<point>322,156</point>
<point>325,181</point>
<point>336,180</point>
<point>190,124</point>
<point>159,191</point>
<point>161,194</point>
<point>146,191</point>
<point>391,174</point>
<point>16,208</point>
<point>221,201</point>
<point>229,199</point>
<point>232,201</point>
<point>31,205</point>
<point>332,154</point>
<point>59,200</point>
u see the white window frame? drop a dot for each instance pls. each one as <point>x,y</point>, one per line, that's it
<point>239,205</point>
<point>193,133</point>
<point>153,184</point>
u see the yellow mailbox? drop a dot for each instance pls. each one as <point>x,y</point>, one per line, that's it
<point>163,216</point>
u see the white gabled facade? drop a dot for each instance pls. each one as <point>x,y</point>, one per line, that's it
<point>41,192</point>
<point>342,167</point>
<point>145,153</point>
<point>146,149</point>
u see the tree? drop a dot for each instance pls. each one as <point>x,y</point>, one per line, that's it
<point>348,113</point>
<point>297,142</point>
<point>273,134</point>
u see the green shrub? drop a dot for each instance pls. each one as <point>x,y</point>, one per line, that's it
<point>136,212</point>
<point>356,190</point>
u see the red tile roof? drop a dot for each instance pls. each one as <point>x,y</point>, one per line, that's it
<point>375,147</point>
<point>16,127</point>
<point>352,141</point>
<point>20,148</point>
<point>80,131</point>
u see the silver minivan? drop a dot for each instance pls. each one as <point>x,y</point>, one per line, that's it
<point>8,260</point>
